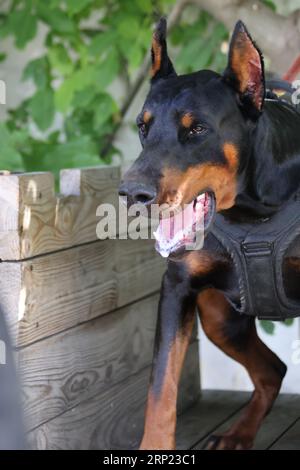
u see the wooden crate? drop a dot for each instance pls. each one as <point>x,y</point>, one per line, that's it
<point>81,312</point>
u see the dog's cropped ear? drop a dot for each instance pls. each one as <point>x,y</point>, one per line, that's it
<point>245,70</point>
<point>161,65</point>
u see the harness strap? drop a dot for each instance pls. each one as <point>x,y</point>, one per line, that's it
<point>258,258</point>
<point>257,251</point>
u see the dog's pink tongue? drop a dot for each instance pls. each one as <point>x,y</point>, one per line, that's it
<point>179,229</point>
<point>173,225</point>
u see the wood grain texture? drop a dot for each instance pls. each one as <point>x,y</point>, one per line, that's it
<point>11,294</point>
<point>119,425</point>
<point>112,419</point>
<point>282,416</point>
<point>213,407</point>
<point>34,220</point>
<point>290,439</point>
<point>57,280</point>
<point>51,293</point>
<point>59,372</point>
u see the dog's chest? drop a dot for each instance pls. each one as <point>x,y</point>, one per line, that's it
<point>266,262</point>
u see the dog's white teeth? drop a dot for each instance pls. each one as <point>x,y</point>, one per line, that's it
<point>201,197</point>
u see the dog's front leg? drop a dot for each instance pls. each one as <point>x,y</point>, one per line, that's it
<point>174,327</point>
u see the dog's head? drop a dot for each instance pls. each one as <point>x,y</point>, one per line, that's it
<point>196,129</point>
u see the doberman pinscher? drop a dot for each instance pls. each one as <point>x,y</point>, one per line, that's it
<point>222,142</point>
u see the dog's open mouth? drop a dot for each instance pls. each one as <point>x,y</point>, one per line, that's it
<point>185,230</point>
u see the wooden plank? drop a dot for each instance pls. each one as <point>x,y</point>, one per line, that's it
<point>51,293</point>
<point>139,269</point>
<point>34,220</point>
<point>284,412</point>
<point>113,419</point>
<point>290,439</point>
<point>279,419</point>
<point>89,181</point>
<point>59,372</point>
<point>212,408</point>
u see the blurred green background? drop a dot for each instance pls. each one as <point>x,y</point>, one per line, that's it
<point>87,71</point>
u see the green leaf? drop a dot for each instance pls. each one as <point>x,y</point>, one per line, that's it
<point>78,81</point>
<point>185,58</point>
<point>144,5</point>
<point>76,6</point>
<point>10,158</point>
<point>54,3</point>
<point>78,123</point>
<point>269,4</point>
<point>18,138</point>
<point>23,24</point>
<point>63,96</point>
<point>104,107</point>
<point>135,56</point>
<point>38,70</point>
<point>84,98</point>
<point>267,326</point>
<point>60,60</point>
<point>107,71</point>
<point>102,42</point>
<point>53,137</point>
<point>288,322</point>
<point>81,151</point>
<point>57,19</point>
<point>41,107</point>
<point>128,28</point>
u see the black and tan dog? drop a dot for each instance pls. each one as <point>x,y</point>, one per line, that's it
<point>223,137</point>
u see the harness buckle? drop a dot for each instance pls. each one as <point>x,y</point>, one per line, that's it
<point>257,248</point>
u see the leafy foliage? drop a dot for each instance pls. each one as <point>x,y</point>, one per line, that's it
<point>90,46</point>
<point>270,4</point>
<point>269,326</point>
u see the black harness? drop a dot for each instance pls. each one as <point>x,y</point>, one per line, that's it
<point>257,251</point>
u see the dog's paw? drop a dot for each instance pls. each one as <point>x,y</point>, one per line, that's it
<point>228,442</point>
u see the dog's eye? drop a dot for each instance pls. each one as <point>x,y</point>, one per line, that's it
<point>198,129</point>
<point>142,128</point>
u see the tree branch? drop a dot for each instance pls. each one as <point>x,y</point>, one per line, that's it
<point>173,19</point>
<point>277,36</point>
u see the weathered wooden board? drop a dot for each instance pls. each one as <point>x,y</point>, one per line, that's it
<point>217,410</point>
<point>284,413</point>
<point>57,280</point>
<point>213,407</point>
<point>290,440</point>
<point>59,372</point>
<point>282,416</point>
<point>34,220</point>
<point>112,419</point>
<point>51,293</point>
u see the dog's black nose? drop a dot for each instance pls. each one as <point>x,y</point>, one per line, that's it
<point>137,193</point>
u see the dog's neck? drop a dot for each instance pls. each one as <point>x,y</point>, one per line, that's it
<point>272,175</point>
